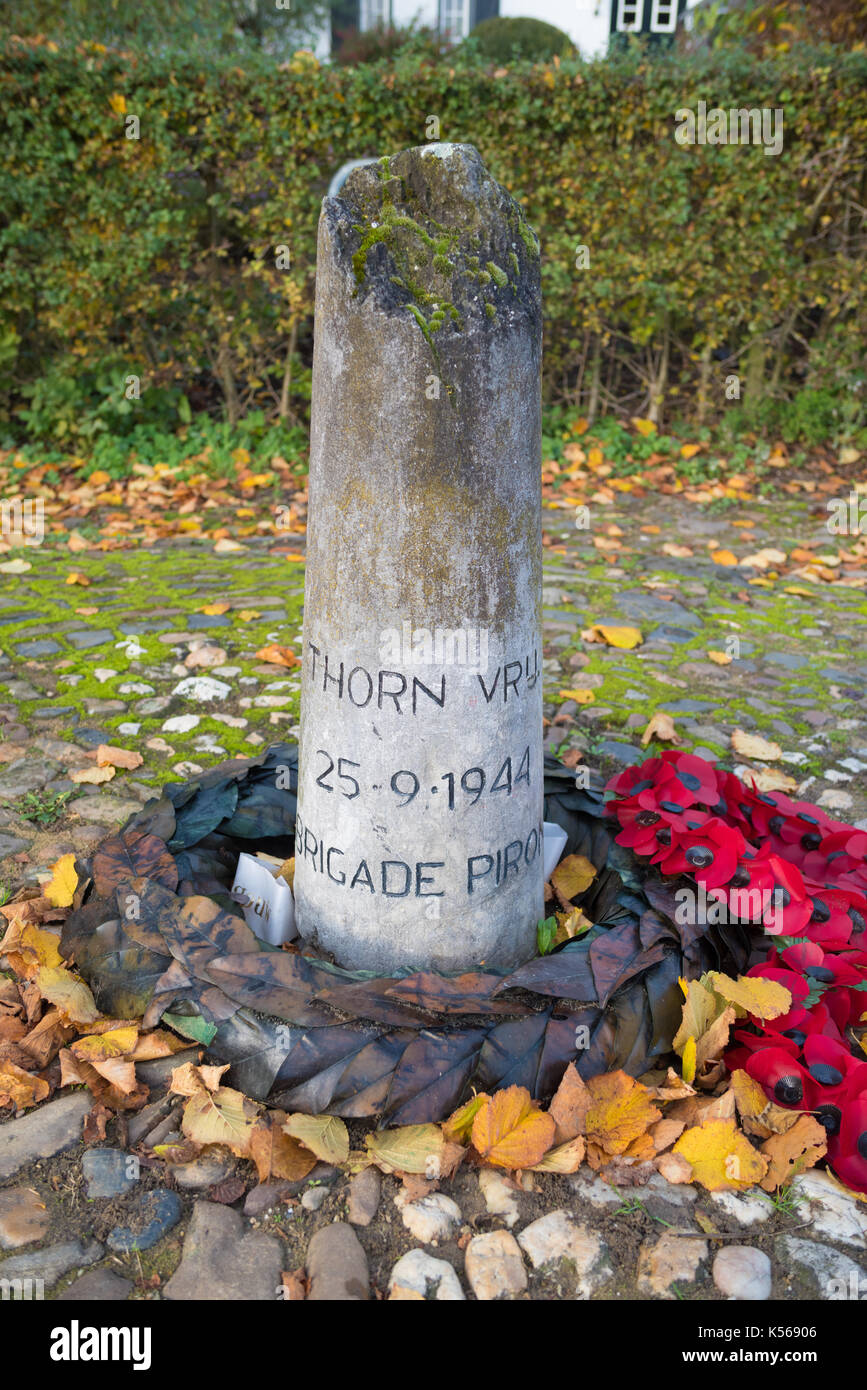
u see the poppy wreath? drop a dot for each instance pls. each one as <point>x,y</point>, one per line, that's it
<point>786,868</point>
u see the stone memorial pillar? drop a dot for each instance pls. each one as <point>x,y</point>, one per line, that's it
<point>419,835</point>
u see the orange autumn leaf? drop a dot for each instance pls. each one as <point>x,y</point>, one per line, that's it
<point>76,577</point>
<point>569,1107</point>
<point>278,656</point>
<point>621,1111</point>
<point>661,726</point>
<point>573,875</point>
<point>724,557</point>
<point>107,756</point>
<point>510,1131</point>
<point>275,1153</point>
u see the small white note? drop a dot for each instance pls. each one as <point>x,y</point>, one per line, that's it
<point>267,901</point>
<point>554,843</point>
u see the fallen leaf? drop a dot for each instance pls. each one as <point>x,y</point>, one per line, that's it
<point>19,1087</point>
<point>214,610</point>
<point>64,881</point>
<point>581,697</point>
<point>278,656</point>
<point>324,1135</point>
<point>720,658</point>
<point>565,1158</point>
<point>92,775</point>
<point>117,1042</point>
<point>625,638</point>
<point>661,726</point>
<point>223,1116</point>
<point>510,1131</point>
<point>674,1168</point>
<point>407,1149</point>
<point>107,756</point>
<point>621,1110</point>
<point>69,994</point>
<point>759,1116</point>
<point>722,1159</point>
<point>76,577</point>
<point>573,875</point>
<point>794,1152</point>
<point>772,779</point>
<point>569,1107</point>
<point>764,999</point>
<point>458,1126</point>
<point>275,1153</point>
<point>754,746</point>
<point>723,557</point>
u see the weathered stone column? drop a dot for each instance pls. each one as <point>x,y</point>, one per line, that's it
<point>420,794</point>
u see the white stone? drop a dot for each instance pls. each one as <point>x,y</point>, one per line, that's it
<point>743,1207</point>
<point>833,775</point>
<point>181,723</point>
<point>130,728</point>
<point>206,743</point>
<point>130,648</point>
<point>853,765</point>
<point>136,688</point>
<point>232,721</point>
<point>743,1273</point>
<point>430,1218</point>
<point>838,1278</point>
<point>835,801</point>
<point>204,656</point>
<point>595,1190</point>
<point>202,689</point>
<point>255,739</point>
<point>556,1237</point>
<point>159,745</point>
<point>432,1278</point>
<point>227,671</point>
<point>104,673</point>
<point>187,769</point>
<point>494,1266</point>
<point>271,701</point>
<point>499,1195</point>
<point>833,1212</point>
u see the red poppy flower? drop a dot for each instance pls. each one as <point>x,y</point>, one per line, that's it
<point>847,1150</point>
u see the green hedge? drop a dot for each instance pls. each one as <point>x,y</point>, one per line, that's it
<point>155,257</point>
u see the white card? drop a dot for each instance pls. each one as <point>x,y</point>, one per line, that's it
<point>553,845</point>
<point>267,901</point>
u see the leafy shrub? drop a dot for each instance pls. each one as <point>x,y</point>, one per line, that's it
<point>501,40</point>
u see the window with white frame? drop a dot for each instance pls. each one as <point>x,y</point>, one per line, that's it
<point>374,14</point>
<point>663,17</point>
<point>454,19</point>
<point>629,15</point>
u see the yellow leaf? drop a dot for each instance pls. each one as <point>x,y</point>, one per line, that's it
<point>117,102</point>
<point>566,1158</point>
<point>324,1135</point>
<point>661,726</point>
<point>580,696</point>
<point>408,1149</point>
<point>64,881</point>
<point>765,999</point>
<point>573,875</point>
<point>223,1116</point>
<point>247,615</point>
<point>215,609</point>
<point>458,1126</point>
<point>722,1159</point>
<point>623,637</point>
<point>677,552</point>
<point>759,1116</point>
<point>510,1131</point>
<point>67,993</point>
<point>796,589</point>
<point>688,1062</point>
<point>720,658</point>
<point>117,1042</point>
<point>28,948</point>
<point>620,1112</point>
<point>723,557</point>
<point>76,577</point>
<point>754,746</point>
<point>644,427</point>
<point>688,451</point>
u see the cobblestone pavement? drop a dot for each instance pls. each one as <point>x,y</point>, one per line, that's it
<point>148,657</point>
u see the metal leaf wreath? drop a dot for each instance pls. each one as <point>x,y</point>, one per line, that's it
<point>158,936</point>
